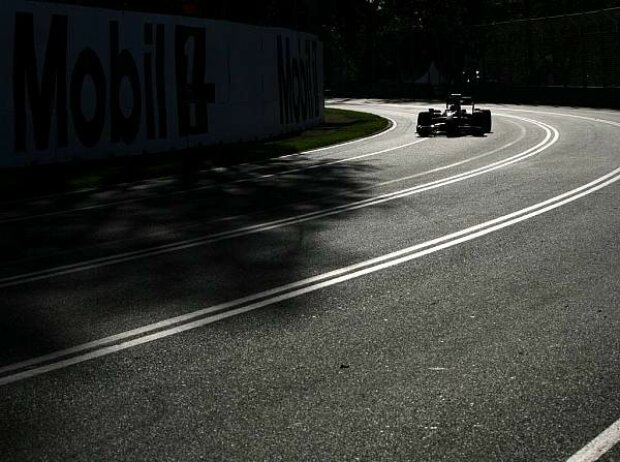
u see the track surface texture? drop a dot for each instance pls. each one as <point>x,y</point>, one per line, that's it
<point>395,298</point>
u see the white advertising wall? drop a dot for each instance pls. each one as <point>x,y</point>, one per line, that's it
<point>83,83</point>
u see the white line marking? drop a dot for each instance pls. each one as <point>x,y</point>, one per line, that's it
<point>207,187</point>
<point>359,140</point>
<point>377,185</point>
<point>595,449</point>
<point>266,176</point>
<point>393,126</point>
<point>573,116</point>
<point>552,136</point>
<point>456,164</point>
<point>590,453</point>
<point>390,108</point>
<point>331,162</point>
<point>190,321</point>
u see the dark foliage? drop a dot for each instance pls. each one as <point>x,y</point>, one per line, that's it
<point>385,44</point>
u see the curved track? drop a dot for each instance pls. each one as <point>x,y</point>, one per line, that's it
<point>393,298</point>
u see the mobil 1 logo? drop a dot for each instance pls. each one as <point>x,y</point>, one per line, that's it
<point>48,85</point>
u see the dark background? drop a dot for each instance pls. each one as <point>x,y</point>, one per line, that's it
<point>509,50</point>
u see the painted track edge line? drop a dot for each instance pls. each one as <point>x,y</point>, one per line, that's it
<point>123,257</point>
<point>393,126</point>
<point>36,216</point>
<point>596,448</point>
<point>392,259</point>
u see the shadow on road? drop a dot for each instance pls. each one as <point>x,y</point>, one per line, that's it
<point>65,310</point>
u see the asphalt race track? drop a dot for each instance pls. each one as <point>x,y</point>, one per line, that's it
<point>395,298</point>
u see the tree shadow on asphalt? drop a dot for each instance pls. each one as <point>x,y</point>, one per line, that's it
<point>66,310</point>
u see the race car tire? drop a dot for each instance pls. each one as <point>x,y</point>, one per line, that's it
<point>425,122</point>
<point>425,131</point>
<point>478,123</point>
<point>487,121</point>
<point>452,128</point>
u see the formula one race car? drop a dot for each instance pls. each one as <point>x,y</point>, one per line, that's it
<point>455,120</point>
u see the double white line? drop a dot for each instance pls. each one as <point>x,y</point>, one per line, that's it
<point>166,328</point>
<point>551,137</point>
<point>87,351</point>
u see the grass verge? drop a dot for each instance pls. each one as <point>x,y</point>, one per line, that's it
<point>339,126</point>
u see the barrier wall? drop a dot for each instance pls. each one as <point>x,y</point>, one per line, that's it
<point>81,82</point>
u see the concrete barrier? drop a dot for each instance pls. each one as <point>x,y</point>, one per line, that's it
<point>88,83</point>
